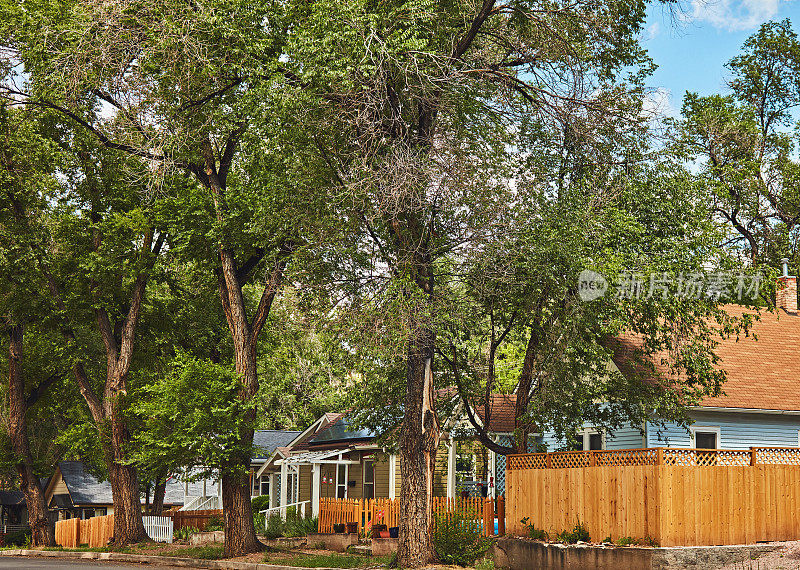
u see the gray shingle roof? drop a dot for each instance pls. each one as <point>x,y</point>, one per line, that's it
<point>11,498</point>
<point>267,440</point>
<point>84,488</point>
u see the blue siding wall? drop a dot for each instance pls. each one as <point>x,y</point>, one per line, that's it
<point>737,430</point>
<point>624,438</point>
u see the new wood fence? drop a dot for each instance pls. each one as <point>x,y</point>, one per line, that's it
<point>674,496</point>
<point>366,513</point>
<point>95,532</point>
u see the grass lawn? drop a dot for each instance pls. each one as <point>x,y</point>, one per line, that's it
<point>330,560</point>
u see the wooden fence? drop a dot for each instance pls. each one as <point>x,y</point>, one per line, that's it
<point>195,519</point>
<point>674,496</point>
<point>387,511</point>
<point>96,532</point>
<point>159,529</point>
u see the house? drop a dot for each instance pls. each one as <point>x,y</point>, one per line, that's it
<point>266,442</point>
<point>760,406</point>
<point>331,458</point>
<point>12,509</point>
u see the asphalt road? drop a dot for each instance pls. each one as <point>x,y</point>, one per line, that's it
<point>22,563</point>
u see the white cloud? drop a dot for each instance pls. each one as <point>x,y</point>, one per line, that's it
<point>733,15</point>
<point>652,31</point>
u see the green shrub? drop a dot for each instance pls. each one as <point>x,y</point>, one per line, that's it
<point>625,541</point>
<point>484,564</point>
<point>260,503</point>
<point>458,540</point>
<point>299,526</point>
<point>577,534</point>
<point>533,532</point>
<point>274,526</point>
<point>21,537</point>
<point>629,541</point>
<point>215,523</point>
<point>185,532</point>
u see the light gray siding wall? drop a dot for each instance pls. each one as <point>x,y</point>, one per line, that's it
<point>737,430</point>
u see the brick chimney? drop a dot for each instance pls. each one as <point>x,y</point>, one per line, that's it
<point>786,290</point>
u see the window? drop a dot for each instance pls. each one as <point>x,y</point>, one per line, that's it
<point>88,513</point>
<point>293,486</point>
<point>341,481</point>
<point>705,437</point>
<point>588,439</point>
<point>264,485</point>
<point>369,479</point>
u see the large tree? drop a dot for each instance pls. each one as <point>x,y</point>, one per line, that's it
<point>198,88</point>
<point>424,98</point>
<point>745,149</point>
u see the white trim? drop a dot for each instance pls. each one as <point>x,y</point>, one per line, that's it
<point>393,474</point>
<point>364,476</point>
<point>451,469</point>
<point>316,488</point>
<point>708,429</point>
<point>346,480</point>
<point>586,434</point>
<point>746,410</point>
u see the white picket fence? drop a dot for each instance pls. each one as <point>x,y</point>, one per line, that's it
<point>158,528</point>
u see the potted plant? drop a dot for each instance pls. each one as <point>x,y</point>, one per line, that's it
<point>352,527</point>
<point>338,528</point>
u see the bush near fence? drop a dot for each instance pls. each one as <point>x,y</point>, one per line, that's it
<point>368,512</point>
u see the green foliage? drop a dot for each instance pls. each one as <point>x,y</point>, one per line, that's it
<point>577,534</point>
<point>485,564</point>
<point>458,540</point>
<point>215,523</point>
<point>333,560</point>
<point>20,537</point>
<point>629,541</point>
<point>192,417</point>
<point>185,532</point>
<point>274,526</point>
<point>533,532</point>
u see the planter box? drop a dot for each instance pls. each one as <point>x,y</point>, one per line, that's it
<point>384,546</point>
<point>207,537</point>
<point>337,542</point>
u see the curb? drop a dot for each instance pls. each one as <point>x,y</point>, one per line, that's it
<point>144,559</point>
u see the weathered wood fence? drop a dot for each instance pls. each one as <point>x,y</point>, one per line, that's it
<point>674,496</point>
<point>96,532</point>
<point>195,519</point>
<point>387,511</point>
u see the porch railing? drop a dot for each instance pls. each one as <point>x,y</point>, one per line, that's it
<point>300,507</point>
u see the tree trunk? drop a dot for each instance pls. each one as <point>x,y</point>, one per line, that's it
<point>240,531</point>
<point>128,525</point>
<point>159,490</point>
<point>419,438</point>
<point>42,533</point>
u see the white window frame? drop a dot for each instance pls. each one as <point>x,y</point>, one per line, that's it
<point>293,484</point>
<point>346,479</point>
<point>364,477</point>
<point>706,429</point>
<point>585,434</point>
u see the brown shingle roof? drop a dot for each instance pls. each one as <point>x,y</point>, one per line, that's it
<point>762,369</point>
<point>501,413</point>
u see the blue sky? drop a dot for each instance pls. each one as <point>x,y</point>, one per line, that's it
<point>692,48</point>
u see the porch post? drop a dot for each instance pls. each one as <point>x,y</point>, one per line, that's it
<point>284,482</point>
<point>451,468</point>
<point>273,493</point>
<point>392,476</point>
<point>316,481</point>
<point>493,473</point>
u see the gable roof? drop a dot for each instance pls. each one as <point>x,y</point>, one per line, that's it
<point>502,409</point>
<point>10,498</point>
<point>761,368</point>
<point>340,431</point>
<point>267,441</point>
<point>84,488</point>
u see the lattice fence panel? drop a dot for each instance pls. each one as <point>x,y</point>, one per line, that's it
<point>777,455</point>
<point>570,459</point>
<point>626,457</point>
